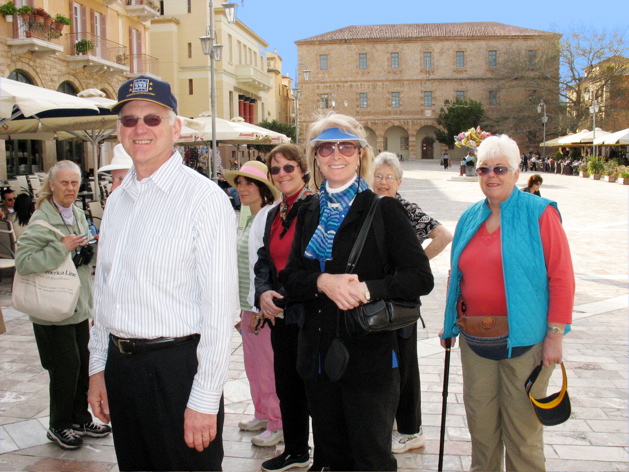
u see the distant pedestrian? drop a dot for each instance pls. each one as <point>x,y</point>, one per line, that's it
<point>445,160</point>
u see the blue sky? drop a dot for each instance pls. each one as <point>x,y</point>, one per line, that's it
<point>282,22</point>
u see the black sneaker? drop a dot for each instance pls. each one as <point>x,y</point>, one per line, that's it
<point>286,461</point>
<point>94,430</point>
<point>66,438</point>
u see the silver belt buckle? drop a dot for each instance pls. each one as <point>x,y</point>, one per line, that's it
<point>119,343</point>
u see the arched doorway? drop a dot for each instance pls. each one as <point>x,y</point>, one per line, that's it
<point>372,139</point>
<point>428,148</point>
<point>396,141</point>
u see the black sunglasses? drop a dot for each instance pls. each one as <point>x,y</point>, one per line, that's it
<point>288,168</point>
<point>129,121</point>
<point>498,170</point>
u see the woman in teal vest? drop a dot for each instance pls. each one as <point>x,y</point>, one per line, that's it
<point>510,295</point>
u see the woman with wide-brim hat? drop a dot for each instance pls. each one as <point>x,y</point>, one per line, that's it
<point>258,193</point>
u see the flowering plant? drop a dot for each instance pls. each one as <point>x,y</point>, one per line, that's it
<point>471,138</point>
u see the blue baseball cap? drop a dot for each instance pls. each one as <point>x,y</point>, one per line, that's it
<point>148,89</point>
<point>335,135</point>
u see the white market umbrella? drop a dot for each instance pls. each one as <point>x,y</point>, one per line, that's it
<point>619,138</point>
<point>20,99</point>
<point>574,138</point>
<point>226,132</point>
<point>588,137</point>
<point>276,138</point>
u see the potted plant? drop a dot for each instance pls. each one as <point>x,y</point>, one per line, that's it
<point>583,170</point>
<point>8,10</point>
<point>610,171</point>
<point>121,58</point>
<point>26,11</point>
<point>61,21</point>
<point>83,45</point>
<point>623,175</point>
<point>39,14</point>
<point>595,168</point>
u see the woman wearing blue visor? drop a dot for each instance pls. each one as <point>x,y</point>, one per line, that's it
<point>352,383</point>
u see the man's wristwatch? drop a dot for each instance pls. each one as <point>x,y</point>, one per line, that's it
<point>554,329</point>
<point>367,294</point>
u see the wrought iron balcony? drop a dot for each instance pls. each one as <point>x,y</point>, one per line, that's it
<point>97,54</point>
<point>144,10</point>
<point>34,36</point>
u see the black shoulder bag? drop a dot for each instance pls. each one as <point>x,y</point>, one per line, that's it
<point>377,315</point>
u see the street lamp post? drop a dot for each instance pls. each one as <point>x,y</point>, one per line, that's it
<point>215,51</point>
<point>542,107</point>
<point>593,110</point>
<point>297,95</point>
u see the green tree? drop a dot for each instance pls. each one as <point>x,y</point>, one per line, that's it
<point>457,116</point>
<point>278,126</point>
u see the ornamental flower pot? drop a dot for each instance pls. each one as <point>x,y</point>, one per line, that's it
<point>48,21</point>
<point>58,26</point>
<point>623,180</point>
<point>584,174</point>
<point>38,18</point>
<point>26,17</point>
<point>595,176</point>
<point>610,178</point>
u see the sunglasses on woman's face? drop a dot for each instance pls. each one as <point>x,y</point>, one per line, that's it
<point>288,168</point>
<point>326,149</point>
<point>129,121</point>
<point>498,170</point>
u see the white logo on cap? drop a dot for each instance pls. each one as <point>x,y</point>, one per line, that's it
<point>140,85</point>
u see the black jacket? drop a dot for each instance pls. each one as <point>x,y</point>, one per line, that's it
<point>405,274</point>
<point>266,277</point>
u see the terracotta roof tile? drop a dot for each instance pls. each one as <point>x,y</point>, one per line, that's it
<point>424,30</point>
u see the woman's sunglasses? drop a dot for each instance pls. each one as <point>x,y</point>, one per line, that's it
<point>288,168</point>
<point>129,121</point>
<point>326,149</point>
<point>498,170</point>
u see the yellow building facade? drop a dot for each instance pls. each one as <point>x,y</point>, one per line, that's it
<point>395,78</point>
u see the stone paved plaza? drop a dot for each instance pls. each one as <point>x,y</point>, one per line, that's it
<point>596,438</point>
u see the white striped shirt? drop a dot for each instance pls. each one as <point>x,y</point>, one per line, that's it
<point>167,267</point>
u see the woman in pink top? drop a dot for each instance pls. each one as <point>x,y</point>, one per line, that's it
<point>510,295</point>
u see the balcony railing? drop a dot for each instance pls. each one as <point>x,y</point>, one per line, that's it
<point>38,37</point>
<point>96,53</point>
<point>143,64</point>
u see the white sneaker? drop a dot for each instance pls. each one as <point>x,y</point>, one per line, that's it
<point>405,442</point>
<point>254,424</point>
<point>268,438</point>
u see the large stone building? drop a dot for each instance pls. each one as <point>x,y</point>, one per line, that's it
<point>105,44</point>
<point>395,78</point>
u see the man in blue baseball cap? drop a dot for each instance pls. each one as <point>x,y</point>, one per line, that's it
<point>165,295</point>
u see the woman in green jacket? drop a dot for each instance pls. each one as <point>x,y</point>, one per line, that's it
<point>62,345</point>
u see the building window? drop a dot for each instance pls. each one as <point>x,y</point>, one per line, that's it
<point>493,97</point>
<point>189,6</point>
<point>189,50</point>
<point>460,95</point>
<point>492,57</point>
<point>323,101</point>
<point>460,58</point>
<point>362,100</point>
<point>395,99</point>
<point>532,96</point>
<point>427,60</point>
<point>190,87</point>
<point>427,99</point>
<point>532,57</point>
<point>323,61</point>
<point>362,60</point>
<point>395,60</point>
<point>404,143</point>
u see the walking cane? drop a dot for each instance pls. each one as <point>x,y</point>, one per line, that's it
<point>444,405</point>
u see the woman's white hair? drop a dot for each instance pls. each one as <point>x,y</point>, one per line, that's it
<point>388,159</point>
<point>45,193</point>
<point>501,145</point>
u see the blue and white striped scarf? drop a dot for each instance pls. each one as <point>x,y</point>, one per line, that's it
<point>333,209</point>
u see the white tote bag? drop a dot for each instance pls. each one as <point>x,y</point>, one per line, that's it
<point>51,295</point>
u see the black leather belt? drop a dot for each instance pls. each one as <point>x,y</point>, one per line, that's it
<point>138,346</point>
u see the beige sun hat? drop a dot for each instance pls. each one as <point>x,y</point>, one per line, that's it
<point>121,160</point>
<point>254,170</point>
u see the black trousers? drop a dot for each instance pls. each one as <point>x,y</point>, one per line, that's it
<point>147,396</point>
<point>63,353</point>
<point>409,410</point>
<point>353,419</point>
<point>290,388</point>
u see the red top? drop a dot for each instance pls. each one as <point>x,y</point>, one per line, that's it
<point>483,287</point>
<point>279,249</point>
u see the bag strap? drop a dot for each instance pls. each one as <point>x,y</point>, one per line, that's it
<point>362,236</point>
<point>45,224</point>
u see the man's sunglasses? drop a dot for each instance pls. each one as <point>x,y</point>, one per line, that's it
<point>129,121</point>
<point>498,170</point>
<point>288,168</point>
<point>326,149</point>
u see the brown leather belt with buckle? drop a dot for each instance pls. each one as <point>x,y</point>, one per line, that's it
<point>138,346</point>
